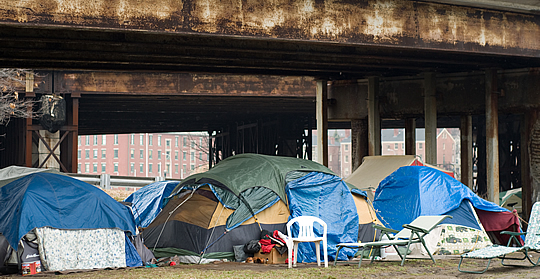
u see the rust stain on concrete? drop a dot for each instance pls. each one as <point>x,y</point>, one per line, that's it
<point>407,23</point>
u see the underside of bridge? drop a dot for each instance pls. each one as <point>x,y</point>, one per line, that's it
<point>261,69</point>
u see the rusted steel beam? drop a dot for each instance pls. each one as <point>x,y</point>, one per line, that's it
<point>430,117</point>
<point>401,23</point>
<point>466,130</point>
<point>322,122</point>
<point>492,136</point>
<point>374,119</point>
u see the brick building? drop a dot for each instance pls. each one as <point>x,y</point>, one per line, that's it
<point>169,155</point>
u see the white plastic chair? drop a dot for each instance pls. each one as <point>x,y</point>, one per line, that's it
<point>306,234</point>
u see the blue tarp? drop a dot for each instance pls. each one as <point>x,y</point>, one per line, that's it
<point>414,191</point>
<point>57,201</point>
<point>147,202</point>
<point>327,197</point>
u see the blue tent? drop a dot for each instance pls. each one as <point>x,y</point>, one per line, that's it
<point>327,197</point>
<point>147,202</point>
<point>414,191</point>
<point>57,201</point>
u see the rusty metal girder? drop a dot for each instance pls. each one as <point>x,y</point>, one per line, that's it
<point>325,38</point>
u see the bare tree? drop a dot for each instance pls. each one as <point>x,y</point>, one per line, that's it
<point>10,103</point>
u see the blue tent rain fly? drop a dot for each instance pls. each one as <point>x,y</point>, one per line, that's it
<point>147,202</point>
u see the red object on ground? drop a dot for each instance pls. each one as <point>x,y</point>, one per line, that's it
<point>172,263</point>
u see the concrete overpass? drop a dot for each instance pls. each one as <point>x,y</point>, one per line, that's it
<point>407,61</point>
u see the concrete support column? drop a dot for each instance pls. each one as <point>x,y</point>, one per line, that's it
<point>430,116</point>
<point>374,118</point>
<point>28,127</point>
<point>492,136</point>
<point>410,136</point>
<point>466,150</point>
<point>322,122</point>
<point>359,142</point>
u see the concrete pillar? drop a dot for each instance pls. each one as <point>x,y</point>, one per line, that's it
<point>492,136</point>
<point>410,136</point>
<point>466,150</point>
<point>322,122</point>
<point>430,116</point>
<point>374,118</point>
<point>359,142</point>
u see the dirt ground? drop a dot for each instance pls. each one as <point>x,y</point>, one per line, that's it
<point>445,267</point>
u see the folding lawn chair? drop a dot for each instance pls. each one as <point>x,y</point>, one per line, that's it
<point>532,243</point>
<point>411,233</point>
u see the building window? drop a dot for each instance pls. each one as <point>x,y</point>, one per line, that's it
<point>103,139</point>
<point>132,169</point>
<point>168,170</point>
<point>158,140</point>
<point>395,146</point>
<point>103,168</point>
<point>176,168</point>
<point>200,141</point>
<point>420,145</point>
<point>116,167</point>
<point>142,154</point>
<point>87,168</point>
<point>150,168</point>
<point>159,154</point>
<point>150,154</point>
<point>330,157</point>
<point>78,168</point>
<point>192,144</point>
<point>184,155</point>
<point>192,157</point>
<point>115,154</point>
<point>200,156</point>
<point>444,146</point>
<point>132,139</point>
<point>87,154</point>
<point>95,151</point>
<point>142,139</point>
<point>103,153</point>
<point>132,153</point>
<point>192,167</point>
<point>346,146</point>
<point>95,140</point>
<point>167,155</point>
<point>402,146</point>
<point>444,136</point>
<point>346,158</point>
<point>78,154</point>
<point>175,141</point>
<point>346,171</point>
<point>150,140</point>
<point>115,139</point>
<point>141,168</point>
<point>184,141</point>
<point>159,168</point>
<point>184,167</point>
<point>95,167</point>
<point>87,140</point>
<point>168,143</point>
<point>79,140</point>
<point>176,155</point>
